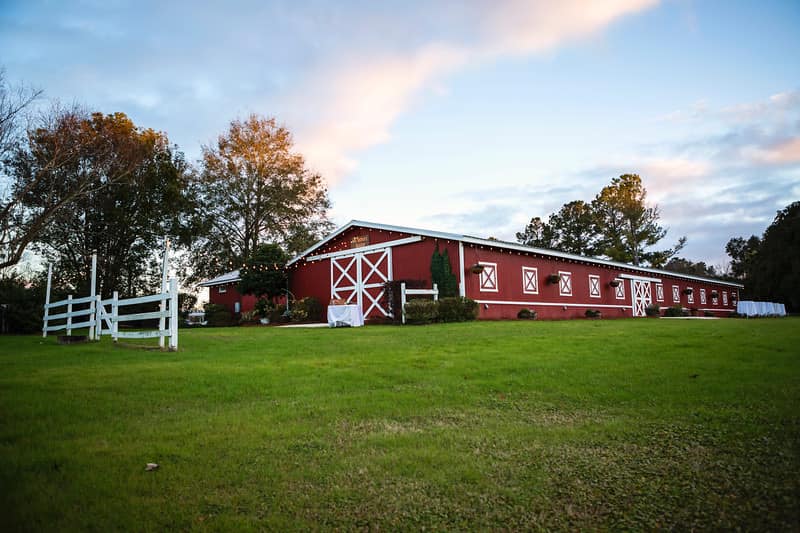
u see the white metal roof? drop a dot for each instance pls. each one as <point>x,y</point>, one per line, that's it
<point>500,244</point>
<point>228,277</point>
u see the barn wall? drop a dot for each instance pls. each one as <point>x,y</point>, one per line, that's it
<point>550,304</point>
<point>230,297</point>
<point>412,261</point>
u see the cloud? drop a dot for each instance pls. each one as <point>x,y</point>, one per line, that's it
<point>355,102</point>
<point>782,153</point>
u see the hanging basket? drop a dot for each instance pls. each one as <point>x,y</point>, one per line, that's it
<point>614,283</point>
<point>552,279</point>
<point>714,294</point>
<point>476,268</point>
<point>688,290</point>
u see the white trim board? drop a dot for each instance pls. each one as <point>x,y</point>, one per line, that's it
<point>365,249</point>
<point>551,304</point>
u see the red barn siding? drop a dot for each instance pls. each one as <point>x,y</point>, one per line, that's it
<point>229,298</point>
<point>412,261</point>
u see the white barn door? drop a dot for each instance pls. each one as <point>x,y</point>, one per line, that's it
<point>359,279</point>
<point>641,296</point>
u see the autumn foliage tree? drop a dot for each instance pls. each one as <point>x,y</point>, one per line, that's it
<point>256,189</point>
<point>119,192</point>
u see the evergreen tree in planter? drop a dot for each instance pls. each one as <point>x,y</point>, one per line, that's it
<point>442,273</point>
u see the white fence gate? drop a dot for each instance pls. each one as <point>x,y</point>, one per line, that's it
<point>415,292</point>
<point>107,311</point>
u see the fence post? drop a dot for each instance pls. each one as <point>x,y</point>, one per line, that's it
<point>435,292</point>
<point>92,293</point>
<point>173,315</point>
<point>69,315</point>
<point>114,314</point>
<point>47,300</point>
<point>403,301</point>
<point>163,306</point>
<point>98,318</point>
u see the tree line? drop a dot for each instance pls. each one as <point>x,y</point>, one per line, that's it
<point>76,182</point>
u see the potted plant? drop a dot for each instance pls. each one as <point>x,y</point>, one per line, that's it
<point>593,313</point>
<point>688,290</point>
<point>477,268</point>
<point>714,294</point>
<point>614,283</point>
<point>553,279</point>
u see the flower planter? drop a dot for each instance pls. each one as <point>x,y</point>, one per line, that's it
<point>476,269</point>
<point>614,283</point>
<point>552,279</point>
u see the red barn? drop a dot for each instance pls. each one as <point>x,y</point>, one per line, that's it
<point>355,261</point>
<point>223,290</point>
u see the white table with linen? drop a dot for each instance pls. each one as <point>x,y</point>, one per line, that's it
<point>345,315</point>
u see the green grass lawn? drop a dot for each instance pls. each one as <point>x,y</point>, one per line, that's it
<point>623,424</point>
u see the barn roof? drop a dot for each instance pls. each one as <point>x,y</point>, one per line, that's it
<point>468,239</point>
<point>228,277</point>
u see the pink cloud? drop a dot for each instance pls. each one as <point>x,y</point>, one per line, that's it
<point>354,103</point>
<point>786,152</point>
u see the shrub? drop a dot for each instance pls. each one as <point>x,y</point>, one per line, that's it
<point>593,313</point>
<point>709,313</point>
<point>457,309</point>
<point>264,307</point>
<point>23,306</point>
<point>652,310</point>
<point>421,311</point>
<point>218,315</point>
<point>248,317</point>
<point>308,308</point>
<point>391,294</point>
<point>675,310</point>
<point>526,314</point>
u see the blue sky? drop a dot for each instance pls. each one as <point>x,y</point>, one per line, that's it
<point>462,116</point>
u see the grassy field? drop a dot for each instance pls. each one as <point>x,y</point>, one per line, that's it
<point>624,424</point>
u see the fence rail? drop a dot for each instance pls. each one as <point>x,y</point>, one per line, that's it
<point>108,312</point>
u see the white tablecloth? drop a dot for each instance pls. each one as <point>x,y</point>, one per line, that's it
<point>345,315</point>
<point>750,308</point>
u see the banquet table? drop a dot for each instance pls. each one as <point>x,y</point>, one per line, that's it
<point>345,315</point>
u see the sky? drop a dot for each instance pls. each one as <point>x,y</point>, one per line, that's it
<point>468,116</point>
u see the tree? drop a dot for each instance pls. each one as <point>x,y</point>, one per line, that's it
<point>574,230</point>
<point>263,273</point>
<point>134,190</point>
<point>442,273</point>
<point>538,233</point>
<point>770,266</point>
<point>685,266</point>
<point>627,226</point>
<point>257,189</point>
<point>743,254</point>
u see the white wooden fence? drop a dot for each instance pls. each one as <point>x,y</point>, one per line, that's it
<point>105,316</point>
<point>107,311</point>
<point>69,314</point>
<point>415,292</point>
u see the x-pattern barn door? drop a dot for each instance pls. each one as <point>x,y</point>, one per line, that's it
<point>360,278</point>
<point>640,289</point>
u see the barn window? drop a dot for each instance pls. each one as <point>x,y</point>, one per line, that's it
<point>659,292</point>
<point>488,277</point>
<point>714,298</point>
<point>565,283</point>
<point>530,280</point>
<point>734,297</point>
<point>690,296</point>
<point>724,297</point>
<point>619,290</point>
<point>703,296</point>
<point>594,286</point>
<point>676,294</point>
<point>222,289</point>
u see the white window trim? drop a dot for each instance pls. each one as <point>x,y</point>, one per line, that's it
<point>676,294</point>
<point>481,278</point>
<point>596,278</point>
<point>659,292</point>
<point>724,297</point>
<point>535,271</point>
<point>619,290</point>
<point>690,297</point>
<point>561,276</point>
<point>702,297</point>
<point>222,289</point>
